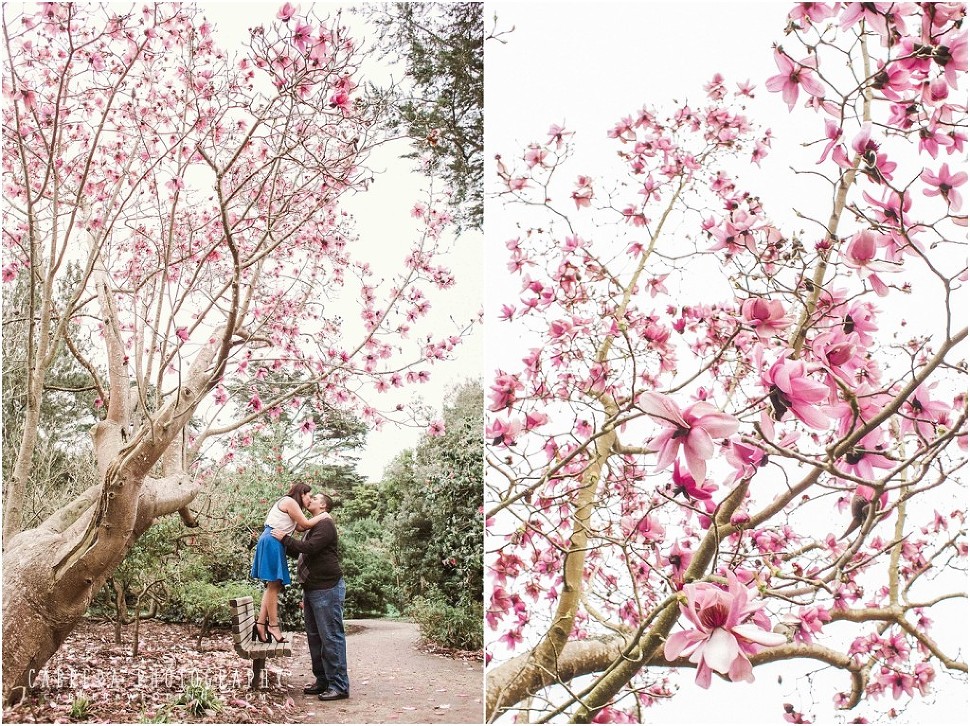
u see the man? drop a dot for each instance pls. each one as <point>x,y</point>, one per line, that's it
<point>318,570</point>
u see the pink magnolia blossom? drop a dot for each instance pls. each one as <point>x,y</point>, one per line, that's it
<point>221,396</point>
<point>833,132</point>
<point>878,16</point>
<point>503,391</point>
<point>840,353</point>
<point>791,389</point>
<point>694,428</point>
<point>727,628</point>
<point>745,88</point>
<point>614,715</point>
<point>535,156</point>
<point>517,183</point>
<point>767,317</point>
<point>535,419</point>
<point>436,428</point>
<point>805,14</point>
<point>341,99</point>
<point>744,458</point>
<point>953,57</point>
<point>944,183</point>
<point>893,80</point>
<point>794,76</point>
<point>558,134</point>
<point>684,484</point>
<point>679,560</point>
<point>810,621</point>
<point>308,426</point>
<point>502,432</point>
<point>860,254</point>
<point>874,165</point>
<point>921,414</point>
<point>584,192</point>
<point>924,675</point>
<point>655,285</point>
<point>897,680</point>
<point>645,527</point>
<point>865,457</point>
<point>286,12</point>
<point>512,638</point>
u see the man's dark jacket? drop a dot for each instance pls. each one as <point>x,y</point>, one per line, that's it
<point>319,565</point>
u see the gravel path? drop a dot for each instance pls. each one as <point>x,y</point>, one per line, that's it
<point>391,680</point>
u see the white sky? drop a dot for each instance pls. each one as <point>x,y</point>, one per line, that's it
<point>586,65</point>
<point>386,231</point>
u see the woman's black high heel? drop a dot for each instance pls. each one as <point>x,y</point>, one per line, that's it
<point>256,637</point>
<point>270,637</point>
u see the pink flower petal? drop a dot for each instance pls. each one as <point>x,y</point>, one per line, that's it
<point>720,651</point>
<point>757,635</point>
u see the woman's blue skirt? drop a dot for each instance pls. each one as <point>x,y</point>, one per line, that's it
<point>269,562</point>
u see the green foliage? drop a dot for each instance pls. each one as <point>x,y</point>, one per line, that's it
<point>207,602</point>
<point>150,575</point>
<point>441,45</point>
<point>449,625</point>
<point>161,716</point>
<point>80,708</point>
<point>372,588</point>
<point>437,529</point>
<point>200,698</point>
<point>364,501</point>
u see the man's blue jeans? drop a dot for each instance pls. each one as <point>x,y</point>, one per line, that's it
<point>323,614</point>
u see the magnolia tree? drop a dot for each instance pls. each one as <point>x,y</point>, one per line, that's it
<point>767,466</point>
<point>199,194</point>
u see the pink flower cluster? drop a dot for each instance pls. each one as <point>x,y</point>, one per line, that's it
<point>728,626</point>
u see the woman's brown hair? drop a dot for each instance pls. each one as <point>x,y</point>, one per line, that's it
<point>297,491</point>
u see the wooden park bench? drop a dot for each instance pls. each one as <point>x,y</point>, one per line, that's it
<point>243,617</point>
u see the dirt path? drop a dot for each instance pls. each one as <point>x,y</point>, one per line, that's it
<point>391,681</point>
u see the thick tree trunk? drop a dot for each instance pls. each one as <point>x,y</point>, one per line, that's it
<point>36,620</point>
<point>51,577</point>
<point>52,573</point>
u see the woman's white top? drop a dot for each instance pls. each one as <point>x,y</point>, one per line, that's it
<point>278,519</point>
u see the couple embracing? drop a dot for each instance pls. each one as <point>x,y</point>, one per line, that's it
<point>318,571</point>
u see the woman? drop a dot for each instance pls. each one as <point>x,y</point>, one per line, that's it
<point>269,563</point>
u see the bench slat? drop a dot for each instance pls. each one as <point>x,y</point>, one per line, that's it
<point>254,649</point>
<point>239,622</point>
<point>242,633</point>
<point>238,602</point>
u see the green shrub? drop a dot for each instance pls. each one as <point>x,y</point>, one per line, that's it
<point>449,625</point>
<point>200,698</point>
<point>81,708</point>
<point>372,588</point>
<point>434,492</point>
<point>160,716</point>
<point>204,602</point>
